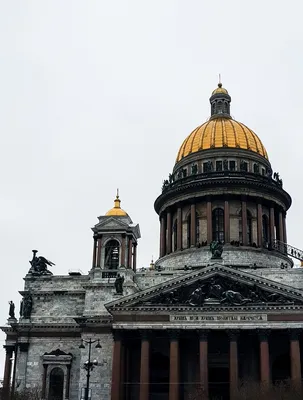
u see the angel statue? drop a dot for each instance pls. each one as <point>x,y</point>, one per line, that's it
<point>39,264</point>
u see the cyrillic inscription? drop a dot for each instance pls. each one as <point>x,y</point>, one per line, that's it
<point>218,318</point>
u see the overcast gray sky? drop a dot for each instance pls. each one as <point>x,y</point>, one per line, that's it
<point>96,95</point>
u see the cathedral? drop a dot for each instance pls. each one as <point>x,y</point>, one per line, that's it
<point>221,305</point>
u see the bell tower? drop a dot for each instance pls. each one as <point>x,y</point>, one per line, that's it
<point>115,240</point>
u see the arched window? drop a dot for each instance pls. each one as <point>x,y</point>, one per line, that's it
<point>265,226</point>
<point>220,107</point>
<point>56,384</point>
<point>218,224</point>
<point>112,249</point>
<point>249,228</point>
<point>188,230</point>
<point>175,229</point>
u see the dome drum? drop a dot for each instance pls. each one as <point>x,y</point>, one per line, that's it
<point>238,221</point>
<point>228,154</point>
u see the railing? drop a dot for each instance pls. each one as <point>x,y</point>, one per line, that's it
<point>287,249</point>
<point>220,174</point>
<point>107,274</point>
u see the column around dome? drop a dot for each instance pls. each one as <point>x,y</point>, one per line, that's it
<point>244,223</point>
<point>169,232</point>
<point>179,227</point>
<point>209,221</point>
<point>284,228</point>
<point>272,224</point>
<point>226,222</point>
<point>193,225</point>
<point>162,237</point>
<point>259,224</point>
<point>281,227</point>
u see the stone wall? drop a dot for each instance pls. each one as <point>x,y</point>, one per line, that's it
<point>232,255</point>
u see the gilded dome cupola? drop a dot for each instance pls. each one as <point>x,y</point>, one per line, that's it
<point>221,131</point>
<point>116,211</point>
<point>220,103</point>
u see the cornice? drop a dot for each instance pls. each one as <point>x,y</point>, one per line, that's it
<point>187,186</point>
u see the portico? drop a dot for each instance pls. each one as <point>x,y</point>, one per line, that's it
<point>195,336</point>
<point>177,364</point>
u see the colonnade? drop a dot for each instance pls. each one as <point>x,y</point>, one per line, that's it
<point>117,391</point>
<point>276,226</point>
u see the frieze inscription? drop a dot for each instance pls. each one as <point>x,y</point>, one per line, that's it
<point>219,318</point>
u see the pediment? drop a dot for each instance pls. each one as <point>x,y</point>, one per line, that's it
<point>211,287</point>
<point>57,353</point>
<point>111,223</point>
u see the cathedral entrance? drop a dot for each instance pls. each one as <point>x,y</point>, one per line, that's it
<point>219,382</point>
<point>56,384</point>
<point>159,371</point>
<point>159,376</point>
<point>218,359</point>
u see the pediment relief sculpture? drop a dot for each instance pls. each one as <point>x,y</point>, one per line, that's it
<point>220,290</point>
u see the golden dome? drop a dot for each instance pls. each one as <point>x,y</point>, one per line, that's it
<point>219,89</point>
<point>221,133</point>
<point>116,211</point>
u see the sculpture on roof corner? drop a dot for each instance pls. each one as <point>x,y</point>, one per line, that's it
<point>39,265</point>
<point>26,306</point>
<point>119,284</point>
<point>216,249</point>
<point>11,311</point>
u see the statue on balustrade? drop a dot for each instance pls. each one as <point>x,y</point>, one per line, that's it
<point>278,179</point>
<point>165,184</point>
<point>216,249</point>
<point>171,178</point>
<point>194,169</point>
<point>209,166</point>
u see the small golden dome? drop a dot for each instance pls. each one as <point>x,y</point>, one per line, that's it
<point>221,133</point>
<point>219,89</point>
<point>116,211</point>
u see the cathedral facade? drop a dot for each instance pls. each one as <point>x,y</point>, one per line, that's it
<point>221,305</point>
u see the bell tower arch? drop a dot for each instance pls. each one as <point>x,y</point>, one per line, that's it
<point>115,240</point>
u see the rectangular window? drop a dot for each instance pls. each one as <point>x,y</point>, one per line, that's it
<point>232,165</point>
<point>263,171</point>
<point>219,166</point>
<point>205,167</point>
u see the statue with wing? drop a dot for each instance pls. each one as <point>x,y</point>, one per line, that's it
<point>39,265</point>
